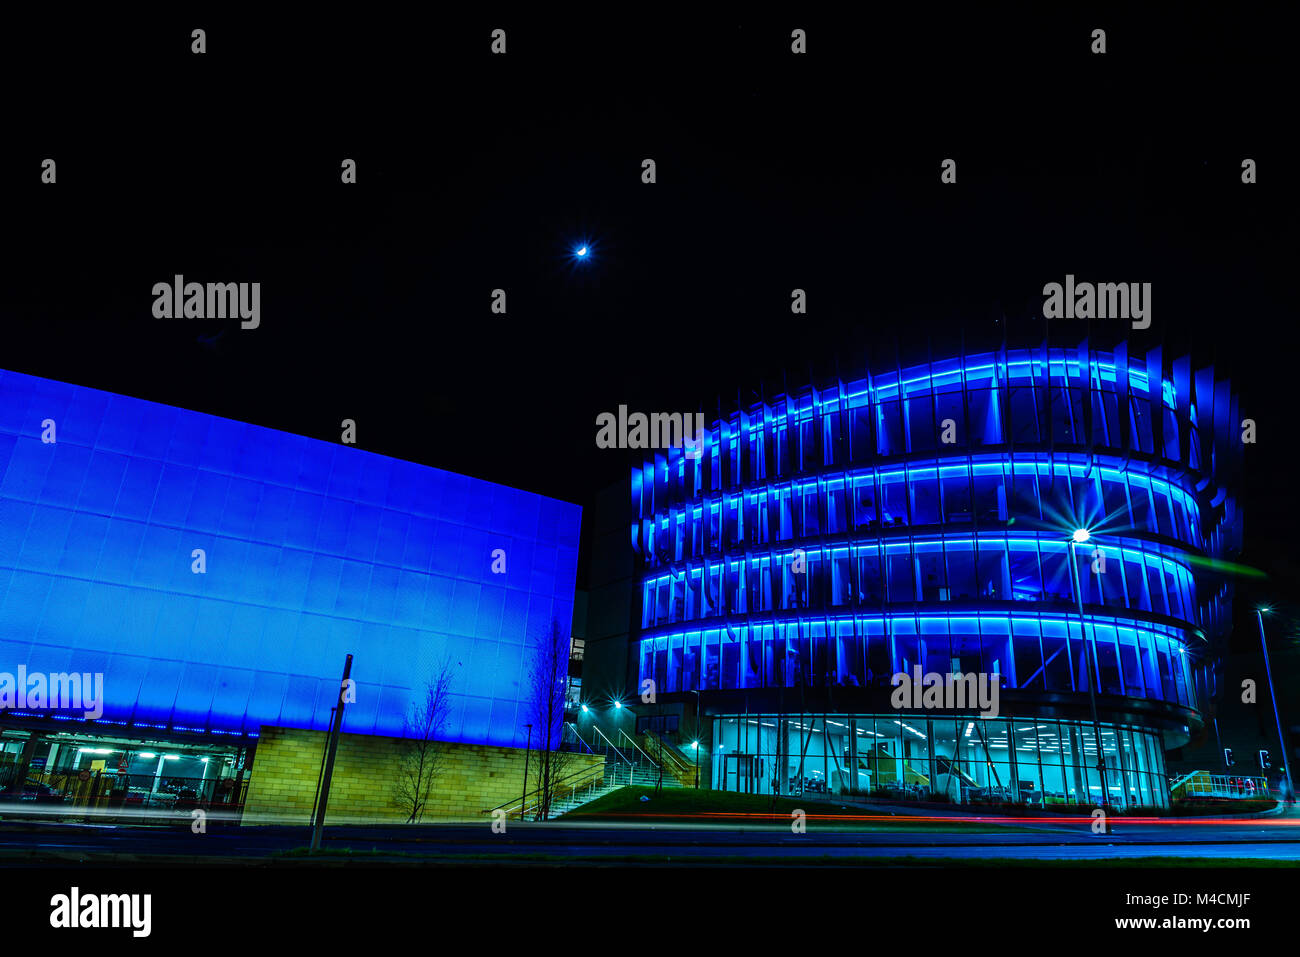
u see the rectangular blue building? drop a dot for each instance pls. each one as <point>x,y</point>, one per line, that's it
<point>216,574</point>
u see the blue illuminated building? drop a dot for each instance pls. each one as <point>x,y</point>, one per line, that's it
<point>828,539</point>
<point>313,550</point>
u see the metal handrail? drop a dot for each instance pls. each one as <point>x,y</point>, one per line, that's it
<point>577,734</point>
<point>653,764</point>
<point>677,760</point>
<point>1209,784</point>
<point>523,800</point>
<point>612,745</point>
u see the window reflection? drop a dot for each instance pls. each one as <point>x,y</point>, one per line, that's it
<point>971,761</point>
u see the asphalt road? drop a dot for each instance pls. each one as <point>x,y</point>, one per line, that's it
<point>1268,839</point>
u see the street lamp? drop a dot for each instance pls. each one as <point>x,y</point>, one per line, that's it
<point>1286,764</point>
<point>1080,537</point>
<point>696,744</point>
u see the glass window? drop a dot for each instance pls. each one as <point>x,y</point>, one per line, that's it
<point>1114,496</point>
<point>985,417</point>
<point>961,570</point>
<point>1026,580</point>
<point>1056,571</point>
<point>1028,654</point>
<point>925,496</point>
<point>1107,658</point>
<point>1089,563</point>
<point>1173,592</point>
<point>870,586</point>
<point>1130,662</point>
<point>990,496</point>
<point>711,669</point>
<point>1171,435</point>
<point>992,580</point>
<point>889,428</point>
<point>841,577</point>
<point>1067,414</point>
<point>938,650</point>
<point>1105,418</point>
<point>907,650</point>
<point>929,565</point>
<point>730,658</point>
<point>894,500</point>
<point>920,423</point>
<point>1056,656</point>
<point>836,505</point>
<point>752,671</point>
<point>1140,423</point>
<point>862,447</point>
<point>1025,500</point>
<point>1155,586</point>
<point>812,519</point>
<point>781,441</point>
<point>1150,666</point>
<point>950,420</point>
<point>832,440</point>
<point>956,495</point>
<point>864,503</point>
<point>691,661</point>
<point>1026,412</point>
<point>851,664</point>
<point>1140,497</point>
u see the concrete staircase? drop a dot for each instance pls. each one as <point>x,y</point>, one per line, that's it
<point>615,778</point>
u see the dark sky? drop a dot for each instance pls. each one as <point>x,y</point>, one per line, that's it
<point>774,172</point>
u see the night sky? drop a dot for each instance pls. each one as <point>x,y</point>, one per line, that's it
<point>775,171</point>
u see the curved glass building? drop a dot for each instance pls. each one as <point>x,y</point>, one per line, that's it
<point>822,542</point>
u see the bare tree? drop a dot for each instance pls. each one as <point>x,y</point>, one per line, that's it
<point>422,753</point>
<point>548,685</point>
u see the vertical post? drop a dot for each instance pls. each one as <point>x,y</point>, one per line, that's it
<point>523,802</point>
<point>320,775</point>
<point>697,738</point>
<point>336,726</point>
<point>1092,689</point>
<point>1286,762</point>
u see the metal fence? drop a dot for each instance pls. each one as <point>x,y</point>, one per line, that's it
<point>104,792</point>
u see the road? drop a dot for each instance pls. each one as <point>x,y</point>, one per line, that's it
<point>631,843</point>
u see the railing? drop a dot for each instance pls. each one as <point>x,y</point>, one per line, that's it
<point>577,736</point>
<point>681,768</point>
<point>654,766</point>
<point>566,786</point>
<point>1204,784</point>
<point>107,792</point>
<point>611,746</point>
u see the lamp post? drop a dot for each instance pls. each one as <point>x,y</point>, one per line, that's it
<point>1286,763</point>
<point>1081,536</point>
<point>695,745</point>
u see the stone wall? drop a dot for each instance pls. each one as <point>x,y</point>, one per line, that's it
<point>282,786</point>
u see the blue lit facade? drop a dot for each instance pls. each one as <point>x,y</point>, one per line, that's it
<point>930,509</point>
<point>313,551</point>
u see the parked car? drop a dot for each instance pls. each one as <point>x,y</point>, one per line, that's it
<point>33,790</point>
